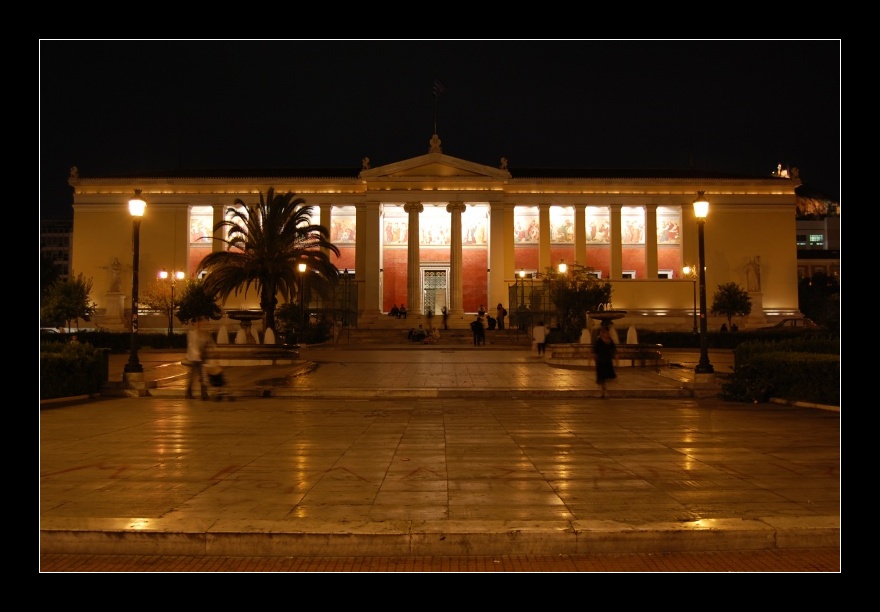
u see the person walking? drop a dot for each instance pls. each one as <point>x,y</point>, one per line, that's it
<point>445,312</point>
<point>479,331</point>
<point>539,335</point>
<point>197,341</point>
<point>604,351</point>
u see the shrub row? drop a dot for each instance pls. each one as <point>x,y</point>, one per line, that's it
<point>71,369</point>
<point>803,369</point>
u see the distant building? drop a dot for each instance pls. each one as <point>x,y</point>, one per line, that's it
<point>438,231</point>
<point>56,239</point>
<point>818,235</point>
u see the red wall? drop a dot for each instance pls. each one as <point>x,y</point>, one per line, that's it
<point>474,282</point>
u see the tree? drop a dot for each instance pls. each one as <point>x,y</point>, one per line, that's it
<point>731,300</point>
<point>196,303</point>
<point>266,242</point>
<point>575,293</point>
<point>157,295</point>
<point>66,301</point>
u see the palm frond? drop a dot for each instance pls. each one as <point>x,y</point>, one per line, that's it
<point>266,242</point>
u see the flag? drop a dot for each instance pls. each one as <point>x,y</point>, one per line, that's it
<point>438,88</point>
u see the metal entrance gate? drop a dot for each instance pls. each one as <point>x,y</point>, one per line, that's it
<point>433,289</point>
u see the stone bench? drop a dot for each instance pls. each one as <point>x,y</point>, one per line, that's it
<point>637,354</point>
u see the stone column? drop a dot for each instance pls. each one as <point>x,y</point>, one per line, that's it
<point>651,240</point>
<point>580,234</point>
<point>616,242</point>
<point>413,267</point>
<point>455,306</point>
<point>500,251</point>
<point>326,220</point>
<point>544,255</point>
<point>219,211</point>
<point>367,257</point>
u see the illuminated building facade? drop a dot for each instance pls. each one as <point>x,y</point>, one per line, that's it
<point>438,231</point>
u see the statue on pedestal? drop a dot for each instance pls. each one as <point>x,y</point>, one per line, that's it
<point>753,274</point>
<point>115,275</point>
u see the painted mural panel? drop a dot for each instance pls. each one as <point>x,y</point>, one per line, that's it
<point>668,225</point>
<point>201,220</point>
<point>598,224</point>
<point>434,226</point>
<point>395,226</point>
<point>526,225</point>
<point>632,225</point>
<point>561,225</point>
<point>474,230</point>
<point>343,225</point>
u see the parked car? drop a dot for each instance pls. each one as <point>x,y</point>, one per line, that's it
<point>792,323</point>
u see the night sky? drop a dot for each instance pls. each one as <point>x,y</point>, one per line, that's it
<point>118,107</point>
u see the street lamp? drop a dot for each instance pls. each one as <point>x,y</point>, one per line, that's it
<point>136,207</point>
<point>172,278</point>
<point>691,273</point>
<point>563,268</point>
<point>302,298</point>
<point>701,209</point>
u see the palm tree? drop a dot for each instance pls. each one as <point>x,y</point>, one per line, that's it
<point>266,243</point>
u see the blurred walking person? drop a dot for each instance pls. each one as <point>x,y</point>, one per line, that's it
<point>604,351</point>
<point>539,336</point>
<point>197,341</point>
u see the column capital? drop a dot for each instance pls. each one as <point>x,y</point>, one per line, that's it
<point>413,207</point>
<point>455,207</point>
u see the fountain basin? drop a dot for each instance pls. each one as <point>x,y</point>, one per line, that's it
<point>245,315</point>
<point>606,315</point>
<point>245,320</point>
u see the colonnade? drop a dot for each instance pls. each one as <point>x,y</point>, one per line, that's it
<point>501,255</point>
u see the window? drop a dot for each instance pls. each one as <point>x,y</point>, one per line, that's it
<point>802,240</point>
<point>817,240</point>
<point>629,274</point>
<point>664,273</point>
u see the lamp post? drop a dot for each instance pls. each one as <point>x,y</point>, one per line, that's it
<point>691,272</point>
<point>522,324</point>
<point>563,268</point>
<point>302,298</point>
<point>701,209</point>
<point>172,278</point>
<point>136,207</point>
<point>522,291</point>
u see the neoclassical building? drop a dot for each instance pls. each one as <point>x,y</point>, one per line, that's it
<point>437,230</point>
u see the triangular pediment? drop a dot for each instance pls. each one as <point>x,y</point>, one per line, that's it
<point>434,165</point>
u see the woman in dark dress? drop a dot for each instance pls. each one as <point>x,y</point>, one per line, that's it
<point>604,350</point>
